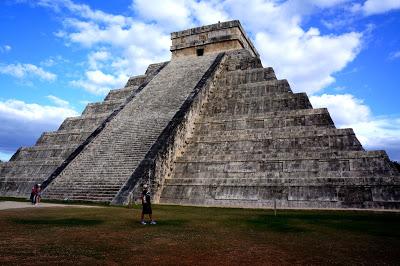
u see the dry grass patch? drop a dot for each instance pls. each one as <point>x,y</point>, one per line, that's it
<point>200,236</point>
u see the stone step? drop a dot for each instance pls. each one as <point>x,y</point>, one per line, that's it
<point>311,193</point>
<point>27,171</point>
<point>259,105</point>
<point>251,128</point>
<point>328,137</point>
<point>270,146</point>
<point>72,191</point>
<point>101,107</point>
<point>249,181</point>
<point>136,81</point>
<point>94,174</point>
<point>63,137</point>
<point>120,94</point>
<point>284,156</point>
<point>20,187</point>
<point>272,86</point>
<point>268,88</point>
<point>20,180</point>
<point>92,198</point>
<point>274,120</point>
<point>26,168</point>
<point>33,162</point>
<point>295,166</point>
<point>94,190</point>
<point>44,152</point>
<point>78,183</point>
<point>279,175</point>
<point>267,115</point>
<point>83,122</point>
<point>317,144</point>
<point>241,60</point>
<point>237,77</point>
<point>258,134</point>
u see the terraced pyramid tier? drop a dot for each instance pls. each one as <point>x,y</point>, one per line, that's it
<point>256,144</point>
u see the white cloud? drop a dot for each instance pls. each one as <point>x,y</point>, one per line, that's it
<point>22,123</point>
<point>373,132</point>
<point>95,59</point>
<point>306,57</point>
<point>208,12</point>
<point>27,70</point>
<point>374,7</point>
<point>175,15</point>
<point>5,48</point>
<point>34,112</point>
<point>119,46</point>
<point>99,83</point>
<point>171,13</point>
<point>58,101</point>
<point>345,108</point>
<point>5,156</point>
<point>394,55</point>
<point>83,11</point>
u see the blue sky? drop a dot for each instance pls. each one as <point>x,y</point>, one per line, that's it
<point>58,55</point>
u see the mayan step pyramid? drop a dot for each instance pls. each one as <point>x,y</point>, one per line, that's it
<point>211,127</point>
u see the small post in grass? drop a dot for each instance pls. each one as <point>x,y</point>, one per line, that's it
<point>275,206</point>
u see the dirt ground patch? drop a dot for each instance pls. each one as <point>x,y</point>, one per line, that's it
<point>197,236</point>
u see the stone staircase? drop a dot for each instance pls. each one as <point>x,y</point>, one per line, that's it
<point>106,163</point>
<point>257,144</point>
<point>32,165</point>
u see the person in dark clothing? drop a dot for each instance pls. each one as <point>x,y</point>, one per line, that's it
<point>146,205</point>
<point>33,194</point>
<point>38,196</point>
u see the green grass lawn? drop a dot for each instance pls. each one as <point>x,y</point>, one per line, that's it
<point>197,236</point>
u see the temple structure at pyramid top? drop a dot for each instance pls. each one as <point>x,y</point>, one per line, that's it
<point>211,127</point>
<point>219,37</point>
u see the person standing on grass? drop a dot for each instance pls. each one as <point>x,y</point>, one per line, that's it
<point>33,194</point>
<point>146,205</point>
<point>38,195</point>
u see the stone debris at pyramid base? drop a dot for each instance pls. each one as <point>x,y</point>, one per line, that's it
<point>211,127</point>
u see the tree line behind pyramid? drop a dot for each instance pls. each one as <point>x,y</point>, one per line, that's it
<point>210,127</point>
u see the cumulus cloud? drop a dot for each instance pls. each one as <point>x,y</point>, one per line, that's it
<point>22,123</point>
<point>27,71</point>
<point>58,101</point>
<point>119,46</point>
<point>306,57</point>
<point>82,10</point>
<point>95,59</point>
<point>174,13</point>
<point>373,132</point>
<point>345,108</point>
<point>374,7</point>
<point>99,83</point>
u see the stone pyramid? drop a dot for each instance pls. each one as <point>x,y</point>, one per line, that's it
<point>211,127</point>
